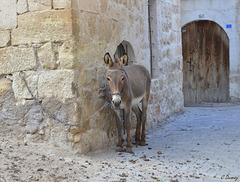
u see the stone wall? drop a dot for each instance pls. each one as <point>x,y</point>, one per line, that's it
<point>224,13</point>
<point>99,27</point>
<point>59,45</point>
<point>36,37</point>
<point>167,96</point>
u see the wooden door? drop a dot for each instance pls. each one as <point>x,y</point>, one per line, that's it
<point>205,63</point>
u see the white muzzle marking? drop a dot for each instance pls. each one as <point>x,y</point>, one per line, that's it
<point>116,100</point>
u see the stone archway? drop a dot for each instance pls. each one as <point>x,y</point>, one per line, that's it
<point>205,63</point>
<point>126,47</point>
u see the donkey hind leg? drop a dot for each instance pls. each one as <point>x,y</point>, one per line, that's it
<point>144,118</point>
<point>138,113</point>
<point>128,126</point>
<point>119,129</point>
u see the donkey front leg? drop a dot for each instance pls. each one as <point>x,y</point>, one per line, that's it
<point>128,126</point>
<point>144,118</point>
<point>138,113</point>
<point>119,128</point>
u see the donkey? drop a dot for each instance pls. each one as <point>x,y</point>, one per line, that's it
<point>129,85</point>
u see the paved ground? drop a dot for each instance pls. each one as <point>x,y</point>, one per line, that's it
<point>200,144</point>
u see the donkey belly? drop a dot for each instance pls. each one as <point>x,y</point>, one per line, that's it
<point>137,100</point>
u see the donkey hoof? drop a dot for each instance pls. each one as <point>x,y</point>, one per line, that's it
<point>143,143</point>
<point>129,150</point>
<point>136,143</point>
<point>120,149</point>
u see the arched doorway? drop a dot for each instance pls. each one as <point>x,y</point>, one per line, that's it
<point>205,48</point>
<point>126,47</point>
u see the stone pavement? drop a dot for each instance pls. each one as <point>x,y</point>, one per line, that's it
<point>200,144</point>
<point>203,144</point>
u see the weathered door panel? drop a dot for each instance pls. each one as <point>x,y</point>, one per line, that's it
<point>209,63</point>
<point>188,67</point>
<point>205,63</point>
<point>199,61</point>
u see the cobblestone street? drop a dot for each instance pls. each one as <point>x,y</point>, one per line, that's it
<point>203,143</point>
<point>199,144</point>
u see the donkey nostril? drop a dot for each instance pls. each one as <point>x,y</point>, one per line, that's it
<point>116,103</point>
<point>116,100</point>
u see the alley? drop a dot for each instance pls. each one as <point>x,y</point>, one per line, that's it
<point>199,144</point>
<point>202,144</point>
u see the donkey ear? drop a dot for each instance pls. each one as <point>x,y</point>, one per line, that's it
<point>124,60</point>
<point>108,60</point>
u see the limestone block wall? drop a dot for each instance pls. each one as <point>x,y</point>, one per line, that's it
<point>223,13</point>
<point>59,47</point>
<point>36,37</point>
<point>99,27</point>
<point>167,96</point>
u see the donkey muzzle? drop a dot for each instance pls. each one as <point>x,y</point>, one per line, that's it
<point>116,100</point>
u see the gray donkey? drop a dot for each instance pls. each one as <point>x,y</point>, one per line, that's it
<point>129,85</point>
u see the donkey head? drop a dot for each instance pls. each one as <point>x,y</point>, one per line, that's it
<point>116,77</point>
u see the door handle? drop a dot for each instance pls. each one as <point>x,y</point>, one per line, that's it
<point>190,64</point>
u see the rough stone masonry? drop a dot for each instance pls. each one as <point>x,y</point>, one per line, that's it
<point>58,45</point>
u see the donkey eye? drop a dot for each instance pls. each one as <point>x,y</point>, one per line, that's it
<point>108,79</point>
<point>123,78</point>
